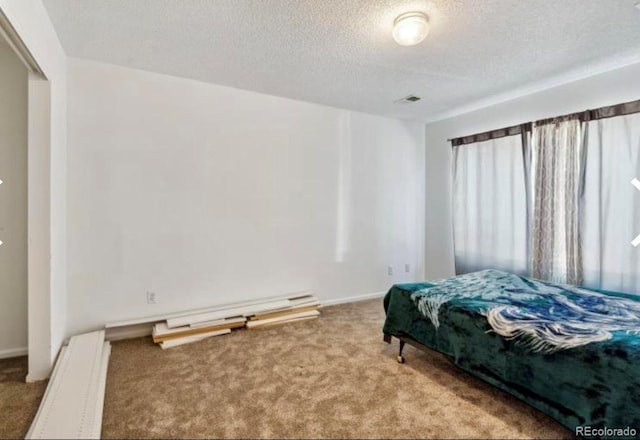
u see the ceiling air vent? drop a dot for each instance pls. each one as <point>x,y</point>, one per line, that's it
<point>408,99</point>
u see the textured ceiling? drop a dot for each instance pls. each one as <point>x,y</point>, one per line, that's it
<point>341,53</point>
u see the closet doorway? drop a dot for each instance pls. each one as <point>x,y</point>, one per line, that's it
<point>13,204</point>
<point>25,209</point>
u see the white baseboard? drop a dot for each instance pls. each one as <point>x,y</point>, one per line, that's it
<point>13,352</point>
<point>350,299</point>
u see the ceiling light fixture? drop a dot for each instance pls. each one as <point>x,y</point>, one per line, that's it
<point>410,28</point>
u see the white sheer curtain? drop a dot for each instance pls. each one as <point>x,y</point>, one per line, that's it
<point>489,206</point>
<point>610,217</point>
<point>556,171</point>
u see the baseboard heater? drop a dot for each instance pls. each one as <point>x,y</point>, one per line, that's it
<point>73,401</point>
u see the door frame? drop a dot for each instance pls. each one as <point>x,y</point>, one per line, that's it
<point>39,207</point>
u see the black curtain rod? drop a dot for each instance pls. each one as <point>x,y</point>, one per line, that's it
<point>623,109</point>
<point>493,134</point>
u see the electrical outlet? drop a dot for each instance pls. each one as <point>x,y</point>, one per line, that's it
<point>152,298</point>
<point>389,270</point>
<point>407,267</point>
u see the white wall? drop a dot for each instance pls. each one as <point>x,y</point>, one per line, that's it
<point>13,204</point>
<point>609,88</point>
<point>206,194</point>
<point>47,261</point>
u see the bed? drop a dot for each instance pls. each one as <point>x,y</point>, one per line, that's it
<point>570,352</point>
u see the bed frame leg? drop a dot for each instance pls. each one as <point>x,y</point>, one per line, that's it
<point>386,338</point>
<point>400,357</point>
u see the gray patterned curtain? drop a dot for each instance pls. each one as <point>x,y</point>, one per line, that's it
<point>557,169</point>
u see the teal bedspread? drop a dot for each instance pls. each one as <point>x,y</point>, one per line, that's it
<point>572,353</point>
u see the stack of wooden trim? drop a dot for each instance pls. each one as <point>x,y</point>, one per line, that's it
<point>73,401</point>
<point>174,336</point>
<point>300,309</point>
<point>187,328</point>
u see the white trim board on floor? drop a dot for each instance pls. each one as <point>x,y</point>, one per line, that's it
<point>74,399</point>
<point>195,338</point>
<point>215,308</point>
<point>281,319</point>
<point>120,330</point>
<point>229,312</point>
<point>13,352</point>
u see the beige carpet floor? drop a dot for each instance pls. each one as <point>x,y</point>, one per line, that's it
<point>19,401</point>
<point>328,378</point>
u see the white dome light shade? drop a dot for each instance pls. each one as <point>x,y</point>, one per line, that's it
<point>410,28</point>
